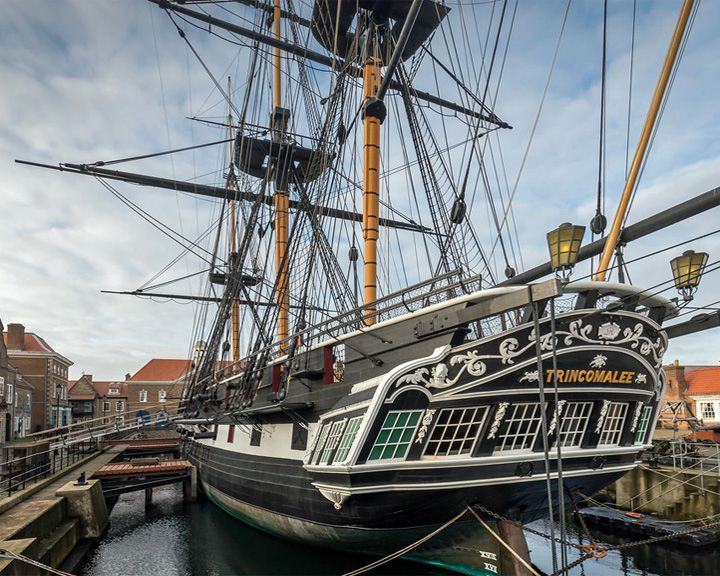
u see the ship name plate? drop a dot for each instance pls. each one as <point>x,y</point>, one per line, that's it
<point>590,375</point>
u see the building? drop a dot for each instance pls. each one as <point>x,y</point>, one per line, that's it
<point>692,393</point>
<point>46,370</point>
<point>83,399</point>
<point>154,391</point>
<point>7,396</point>
<point>704,393</point>
<point>23,405</point>
<point>111,404</point>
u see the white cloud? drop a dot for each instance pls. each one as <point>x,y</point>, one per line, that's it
<point>81,84</point>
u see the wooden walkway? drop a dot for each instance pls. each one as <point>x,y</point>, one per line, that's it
<point>120,470</point>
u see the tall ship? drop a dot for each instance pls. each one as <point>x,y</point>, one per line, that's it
<point>363,377</point>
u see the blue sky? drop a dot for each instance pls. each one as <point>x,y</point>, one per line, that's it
<point>84,81</point>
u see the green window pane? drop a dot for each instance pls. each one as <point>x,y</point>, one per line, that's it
<point>375,453</point>
<point>395,436</point>
<point>390,420</point>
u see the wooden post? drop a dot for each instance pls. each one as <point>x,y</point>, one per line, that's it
<point>514,536</point>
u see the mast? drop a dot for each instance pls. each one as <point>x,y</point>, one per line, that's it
<point>373,115</point>
<point>281,200</point>
<point>614,235</point>
<point>232,185</point>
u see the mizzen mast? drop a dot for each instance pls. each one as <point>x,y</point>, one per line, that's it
<point>232,185</point>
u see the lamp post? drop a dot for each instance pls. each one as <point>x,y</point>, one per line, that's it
<point>564,244</point>
<point>687,271</point>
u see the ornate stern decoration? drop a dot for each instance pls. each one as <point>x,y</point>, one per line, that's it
<point>335,496</point>
<point>601,418</point>
<point>636,416</point>
<point>502,407</point>
<point>426,421</point>
<point>556,414</point>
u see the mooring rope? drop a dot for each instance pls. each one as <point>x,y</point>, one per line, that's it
<point>407,548</point>
<point>7,554</point>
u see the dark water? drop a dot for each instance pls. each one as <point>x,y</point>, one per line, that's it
<point>173,538</point>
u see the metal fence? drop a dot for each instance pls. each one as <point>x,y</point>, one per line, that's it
<point>18,473</point>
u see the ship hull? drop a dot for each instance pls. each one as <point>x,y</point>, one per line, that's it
<point>377,461</point>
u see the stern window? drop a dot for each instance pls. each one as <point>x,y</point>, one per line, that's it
<point>396,434</point>
<point>332,441</point>
<point>574,421</point>
<point>643,425</point>
<point>456,431</point>
<point>521,428</point>
<point>614,421</point>
<point>347,440</point>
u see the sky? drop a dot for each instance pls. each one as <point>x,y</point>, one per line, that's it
<point>86,81</point>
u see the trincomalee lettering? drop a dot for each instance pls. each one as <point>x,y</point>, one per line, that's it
<point>598,376</point>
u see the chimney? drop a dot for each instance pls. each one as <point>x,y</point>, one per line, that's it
<point>127,376</point>
<point>16,337</point>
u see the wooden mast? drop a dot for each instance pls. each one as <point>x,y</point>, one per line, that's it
<point>372,119</point>
<point>281,200</point>
<point>614,235</point>
<point>232,185</point>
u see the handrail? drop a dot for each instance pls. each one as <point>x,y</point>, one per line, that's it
<point>668,478</point>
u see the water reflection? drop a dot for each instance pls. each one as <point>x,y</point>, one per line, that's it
<point>175,539</point>
<point>172,538</point>
<point>662,559</point>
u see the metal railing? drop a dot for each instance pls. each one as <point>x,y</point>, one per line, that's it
<point>18,473</point>
<point>685,457</point>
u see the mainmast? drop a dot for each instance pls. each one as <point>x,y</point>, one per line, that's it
<point>281,198</point>
<point>373,115</point>
<point>614,235</point>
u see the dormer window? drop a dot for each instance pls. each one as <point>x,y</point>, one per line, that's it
<point>114,391</point>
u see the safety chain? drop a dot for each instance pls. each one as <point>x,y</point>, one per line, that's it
<point>593,550</point>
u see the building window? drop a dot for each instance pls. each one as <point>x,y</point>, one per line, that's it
<point>143,396</point>
<point>347,440</point>
<point>114,391</point>
<point>332,441</point>
<point>256,435</point>
<point>707,410</point>
<point>520,428</point>
<point>614,420</point>
<point>573,423</point>
<point>456,431</point>
<point>119,420</point>
<point>231,433</point>
<point>162,396</point>
<point>396,434</point>
<point>119,406</point>
<point>106,406</point>
<point>643,425</point>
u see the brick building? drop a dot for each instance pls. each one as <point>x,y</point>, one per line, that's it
<point>46,370</point>
<point>154,391</point>
<point>112,401</point>
<point>693,392</point>
<point>22,419</point>
<point>7,396</point>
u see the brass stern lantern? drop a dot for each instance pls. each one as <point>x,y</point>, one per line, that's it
<point>687,271</point>
<point>564,245</point>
